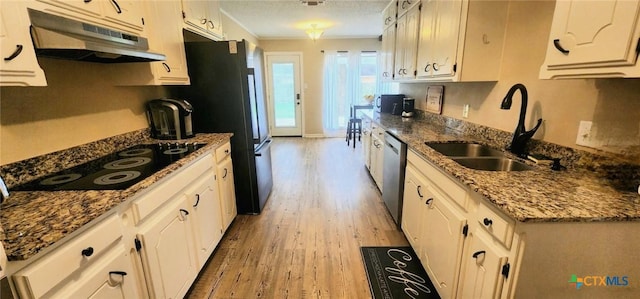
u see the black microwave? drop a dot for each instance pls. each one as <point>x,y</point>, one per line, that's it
<point>389,103</point>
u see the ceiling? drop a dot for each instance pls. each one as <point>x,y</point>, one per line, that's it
<point>288,19</point>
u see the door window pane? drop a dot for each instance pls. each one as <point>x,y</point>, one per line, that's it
<point>284,95</point>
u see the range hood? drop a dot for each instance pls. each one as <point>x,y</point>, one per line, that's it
<point>58,37</point>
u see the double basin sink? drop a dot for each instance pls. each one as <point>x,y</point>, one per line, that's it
<point>478,156</point>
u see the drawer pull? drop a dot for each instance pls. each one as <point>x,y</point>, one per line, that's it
<point>429,201</point>
<point>487,222</point>
<point>87,251</point>
<point>15,53</point>
<point>197,200</point>
<point>226,171</point>
<point>418,189</point>
<point>185,212</point>
<point>477,253</point>
<point>226,151</point>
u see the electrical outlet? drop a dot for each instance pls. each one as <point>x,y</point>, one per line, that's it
<point>584,134</point>
<point>465,111</point>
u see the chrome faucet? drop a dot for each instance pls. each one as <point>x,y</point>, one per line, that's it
<point>521,136</point>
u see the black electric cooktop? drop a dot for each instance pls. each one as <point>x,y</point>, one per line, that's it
<point>116,171</point>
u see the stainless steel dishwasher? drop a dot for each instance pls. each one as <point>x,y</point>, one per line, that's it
<point>395,161</point>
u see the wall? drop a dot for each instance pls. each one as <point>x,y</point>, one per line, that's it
<point>78,106</point>
<point>612,104</point>
<point>312,64</point>
<point>234,31</point>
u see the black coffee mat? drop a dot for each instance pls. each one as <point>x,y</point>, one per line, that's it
<point>396,272</point>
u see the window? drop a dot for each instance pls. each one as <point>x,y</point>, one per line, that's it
<point>349,77</point>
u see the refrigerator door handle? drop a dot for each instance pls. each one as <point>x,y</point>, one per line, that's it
<point>259,149</point>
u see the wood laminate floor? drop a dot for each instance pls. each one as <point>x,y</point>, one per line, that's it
<point>306,242</point>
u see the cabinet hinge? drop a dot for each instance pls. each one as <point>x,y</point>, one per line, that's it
<point>415,73</point>
<point>455,67</point>
<point>184,15</point>
<point>505,270</point>
<point>138,244</point>
<point>142,21</point>
<point>465,230</point>
<point>638,47</point>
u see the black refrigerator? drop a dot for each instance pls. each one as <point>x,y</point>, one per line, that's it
<point>227,93</point>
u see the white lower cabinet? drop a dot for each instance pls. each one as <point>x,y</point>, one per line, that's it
<point>92,264</point>
<point>167,251</point>
<point>484,263</point>
<point>153,246</point>
<point>377,155</point>
<point>111,277</point>
<point>443,236</point>
<point>463,257</point>
<point>226,185</point>
<point>207,216</point>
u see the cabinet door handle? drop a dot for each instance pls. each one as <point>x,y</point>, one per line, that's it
<point>429,201</point>
<point>197,200</point>
<point>118,10</point>
<point>426,68</point>
<point>487,222</point>
<point>166,67</point>
<point>435,67</point>
<point>403,4</point>
<point>556,43</point>
<point>203,21</point>
<point>185,212</point>
<point>87,251</point>
<point>418,189</point>
<point>87,1</point>
<point>226,151</point>
<point>15,53</point>
<point>477,253</point>
<point>211,25</point>
<point>224,176</point>
<point>122,274</point>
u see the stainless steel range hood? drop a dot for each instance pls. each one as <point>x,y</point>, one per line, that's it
<point>58,37</point>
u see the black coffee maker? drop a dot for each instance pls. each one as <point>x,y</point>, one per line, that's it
<point>408,105</point>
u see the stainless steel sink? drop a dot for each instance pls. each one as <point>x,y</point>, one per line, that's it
<point>465,149</point>
<point>492,164</point>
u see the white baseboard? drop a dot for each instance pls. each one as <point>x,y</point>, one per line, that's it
<point>314,136</point>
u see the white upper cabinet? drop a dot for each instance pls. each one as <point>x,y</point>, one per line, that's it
<point>203,17</point>
<point>389,14</point>
<point>407,44</point>
<point>89,8</point>
<point>405,5</point>
<point>388,40</point>
<point>164,27</point>
<point>593,39</point>
<point>19,65</point>
<point>461,40</point>
<point>127,14</point>
<point>439,38</point>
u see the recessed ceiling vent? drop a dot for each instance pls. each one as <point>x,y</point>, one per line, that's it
<point>312,3</point>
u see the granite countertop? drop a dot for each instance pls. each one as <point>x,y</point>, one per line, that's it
<point>34,220</point>
<point>539,195</point>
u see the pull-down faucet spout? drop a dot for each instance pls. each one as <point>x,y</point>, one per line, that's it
<point>520,136</point>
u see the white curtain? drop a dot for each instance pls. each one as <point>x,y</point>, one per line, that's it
<point>341,88</point>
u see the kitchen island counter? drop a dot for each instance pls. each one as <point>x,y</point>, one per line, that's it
<point>35,220</point>
<point>540,195</point>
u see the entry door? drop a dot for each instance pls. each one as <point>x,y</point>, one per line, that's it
<point>284,92</point>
